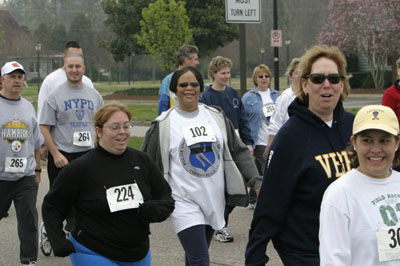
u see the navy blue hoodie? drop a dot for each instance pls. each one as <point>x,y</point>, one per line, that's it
<point>229,101</point>
<point>305,157</point>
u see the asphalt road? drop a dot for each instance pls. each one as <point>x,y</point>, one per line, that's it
<point>165,247</point>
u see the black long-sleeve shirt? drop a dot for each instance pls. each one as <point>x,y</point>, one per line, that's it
<point>121,235</point>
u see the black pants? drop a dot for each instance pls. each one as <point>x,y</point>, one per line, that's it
<point>23,192</point>
<point>53,170</point>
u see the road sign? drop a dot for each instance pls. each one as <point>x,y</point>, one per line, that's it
<point>276,38</point>
<point>243,11</point>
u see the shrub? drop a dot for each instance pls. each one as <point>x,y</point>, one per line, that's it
<point>365,80</point>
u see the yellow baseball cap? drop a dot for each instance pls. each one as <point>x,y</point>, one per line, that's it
<point>376,117</point>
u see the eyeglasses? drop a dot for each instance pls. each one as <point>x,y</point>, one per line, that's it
<point>264,76</point>
<point>185,84</point>
<point>318,78</point>
<point>116,127</point>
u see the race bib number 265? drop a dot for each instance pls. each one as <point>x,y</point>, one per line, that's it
<point>15,165</point>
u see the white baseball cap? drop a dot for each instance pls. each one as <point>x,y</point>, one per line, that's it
<point>10,67</point>
<point>376,117</point>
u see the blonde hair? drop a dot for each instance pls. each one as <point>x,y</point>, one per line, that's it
<point>260,70</point>
<point>293,64</point>
<point>216,64</point>
<point>105,112</point>
<point>316,52</point>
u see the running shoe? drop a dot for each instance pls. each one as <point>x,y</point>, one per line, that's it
<point>223,235</point>
<point>44,244</point>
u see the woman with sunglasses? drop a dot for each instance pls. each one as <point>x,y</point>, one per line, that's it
<point>116,192</point>
<point>259,105</point>
<point>306,156</point>
<point>359,212</point>
<point>203,159</point>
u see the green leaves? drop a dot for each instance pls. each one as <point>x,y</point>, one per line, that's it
<point>164,28</point>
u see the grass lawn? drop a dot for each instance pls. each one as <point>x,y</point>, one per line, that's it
<point>143,112</point>
<point>135,142</point>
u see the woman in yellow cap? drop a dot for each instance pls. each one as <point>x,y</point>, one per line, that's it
<point>359,219</point>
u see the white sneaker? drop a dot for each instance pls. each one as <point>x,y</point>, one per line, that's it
<point>223,235</point>
<point>44,243</point>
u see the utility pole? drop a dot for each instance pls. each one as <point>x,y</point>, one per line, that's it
<point>243,65</point>
<point>276,49</point>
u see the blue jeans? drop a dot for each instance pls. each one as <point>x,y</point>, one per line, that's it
<point>195,241</point>
<point>84,256</point>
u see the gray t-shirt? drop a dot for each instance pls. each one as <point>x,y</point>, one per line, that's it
<point>20,137</point>
<point>69,111</point>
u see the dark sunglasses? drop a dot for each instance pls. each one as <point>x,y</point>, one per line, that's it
<point>264,76</point>
<point>185,84</point>
<point>318,78</point>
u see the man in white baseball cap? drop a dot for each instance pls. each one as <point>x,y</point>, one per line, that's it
<point>19,159</point>
<point>10,67</point>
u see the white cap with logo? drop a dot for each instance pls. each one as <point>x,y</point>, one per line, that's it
<point>10,67</point>
<point>376,117</point>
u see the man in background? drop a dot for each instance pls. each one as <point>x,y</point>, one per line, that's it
<point>55,78</point>
<point>187,56</point>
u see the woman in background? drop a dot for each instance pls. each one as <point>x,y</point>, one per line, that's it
<point>259,105</point>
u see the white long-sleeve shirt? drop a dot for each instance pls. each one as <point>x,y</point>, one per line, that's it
<point>280,115</point>
<point>353,208</point>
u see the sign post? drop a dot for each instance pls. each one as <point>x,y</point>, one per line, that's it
<point>243,12</point>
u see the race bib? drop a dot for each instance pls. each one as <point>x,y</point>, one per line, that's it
<point>197,134</point>
<point>83,138</point>
<point>124,197</point>
<point>268,110</point>
<point>388,243</point>
<point>15,165</point>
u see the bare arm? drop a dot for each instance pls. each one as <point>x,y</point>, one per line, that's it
<point>270,139</point>
<point>38,166</point>
<point>59,159</point>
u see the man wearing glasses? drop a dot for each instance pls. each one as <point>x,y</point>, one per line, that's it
<point>66,120</point>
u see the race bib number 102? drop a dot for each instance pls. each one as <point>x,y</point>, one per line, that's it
<point>200,133</point>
